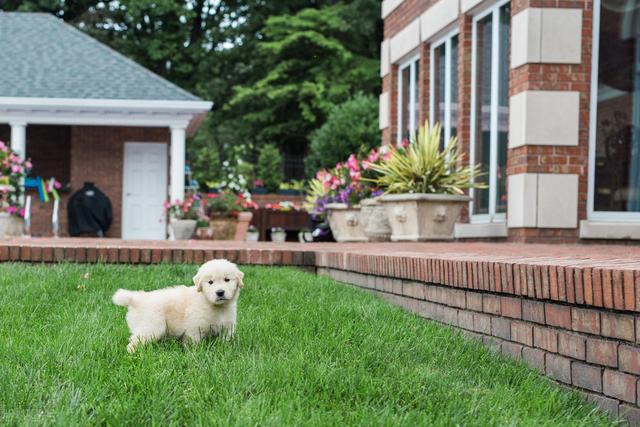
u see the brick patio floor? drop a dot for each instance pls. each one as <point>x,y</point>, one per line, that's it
<point>593,275</point>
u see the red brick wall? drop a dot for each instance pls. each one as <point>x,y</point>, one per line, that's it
<point>97,155</point>
<point>530,159</point>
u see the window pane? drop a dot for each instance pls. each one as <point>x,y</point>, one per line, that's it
<point>483,110</point>
<point>439,89</point>
<point>406,100</point>
<point>454,86</point>
<point>416,95</point>
<point>503,109</point>
<point>617,168</point>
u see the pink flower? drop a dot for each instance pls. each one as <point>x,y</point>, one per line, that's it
<point>22,212</point>
<point>166,205</point>
<point>16,169</point>
<point>352,163</point>
<point>28,165</point>
<point>11,210</point>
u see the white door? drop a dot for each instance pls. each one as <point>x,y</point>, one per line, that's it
<point>144,191</point>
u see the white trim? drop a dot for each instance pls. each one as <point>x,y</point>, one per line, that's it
<point>101,112</point>
<point>494,10</point>
<point>446,40</point>
<point>107,104</point>
<point>410,63</point>
<point>481,230</point>
<point>592,214</point>
<point>609,230</point>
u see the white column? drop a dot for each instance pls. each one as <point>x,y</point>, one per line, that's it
<point>19,138</point>
<point>176,177</point>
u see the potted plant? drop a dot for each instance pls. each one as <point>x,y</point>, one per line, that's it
<point>424,187</point>
<point>278,235</point>
<point>183,217</point>
<point>305,235</point>
<point>253,235</point>
<point>229,214</point>
<point>12,172</point>
<point>203,231</point>
<point>372,212</point>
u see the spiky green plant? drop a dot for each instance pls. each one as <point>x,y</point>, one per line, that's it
<point>422,167</point>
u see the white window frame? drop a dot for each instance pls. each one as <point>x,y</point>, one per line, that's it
<point>448,64</point>
<point>592,214</point>
<point>494,10</point>
<point>413,81</point>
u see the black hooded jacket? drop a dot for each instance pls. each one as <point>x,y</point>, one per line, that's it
<point>89,211</point>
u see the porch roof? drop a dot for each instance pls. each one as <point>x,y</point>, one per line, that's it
<point>52,73</point>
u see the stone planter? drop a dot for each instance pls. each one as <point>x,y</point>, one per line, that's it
<point>278,236</point>
<point>374,219</point>
<point>10,226</point>
<point>224,228</point>
<point>419,217</point>
<point>183,229</point>
<point>244,219</point>
<point>345,223</point>
<point>252,236</point>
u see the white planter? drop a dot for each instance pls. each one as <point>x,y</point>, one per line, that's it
<point>279,237</point>
<point>374,219</point>
<point>252,236</point>
<point>345,223</point>
<point>420,217</point>
<point>305,237</point>
<point>10,225</point>
<point>183,229</point>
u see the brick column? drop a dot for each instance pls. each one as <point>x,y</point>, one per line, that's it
<point>548,121</point>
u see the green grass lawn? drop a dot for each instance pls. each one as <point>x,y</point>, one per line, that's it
<point>308,351</point>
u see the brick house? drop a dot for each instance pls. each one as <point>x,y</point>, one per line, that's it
<point>82,112</point>
<point>544,95</point>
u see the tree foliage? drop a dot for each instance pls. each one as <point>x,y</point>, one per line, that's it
<point>274,69</point>
<point>270,167</point>
<point>351,127</point>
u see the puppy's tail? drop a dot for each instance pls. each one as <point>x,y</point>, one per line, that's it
<point>123,297</point>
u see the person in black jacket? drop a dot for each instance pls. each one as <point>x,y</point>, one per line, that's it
<point>89,211</point>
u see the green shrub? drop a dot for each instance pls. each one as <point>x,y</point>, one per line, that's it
<point>270,167</point>
<point>206,165</point>
<point>352,127</point>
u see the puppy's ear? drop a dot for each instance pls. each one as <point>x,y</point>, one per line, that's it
<point>240,276</point>
<point>196,281</point>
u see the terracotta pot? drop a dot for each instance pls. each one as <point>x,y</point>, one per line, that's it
<point>419,217</point>
<point>375,221</point>
<point>10,226</point>
<point>204,233</point>
<point>244,218</point>
<point>345,223</point>
<point>223,228</point>
<point>183,229</point>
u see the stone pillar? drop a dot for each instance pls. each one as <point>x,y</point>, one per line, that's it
<point>19,138</point>
<point>547,152</point>
<point>176,177</point>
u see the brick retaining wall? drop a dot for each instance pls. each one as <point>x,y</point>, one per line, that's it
<point>568,311</point>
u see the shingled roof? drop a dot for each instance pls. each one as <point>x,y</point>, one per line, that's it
<point>43,57</point>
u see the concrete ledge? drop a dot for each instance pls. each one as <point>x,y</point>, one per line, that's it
<point>609,230</point>
<point>478,231</point>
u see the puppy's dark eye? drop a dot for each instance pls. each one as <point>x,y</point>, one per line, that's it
<point>226,279</point>
<point>211,282</point>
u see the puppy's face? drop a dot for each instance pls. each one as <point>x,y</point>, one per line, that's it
<point>219,280</point>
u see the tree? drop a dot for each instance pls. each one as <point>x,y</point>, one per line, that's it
<point>351,127</point>
<point>308,68</point>
<point>270,167</point>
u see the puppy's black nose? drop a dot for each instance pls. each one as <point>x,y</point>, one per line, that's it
<point>220,293</point>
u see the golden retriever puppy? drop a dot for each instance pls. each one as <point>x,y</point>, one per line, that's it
<point>187,312</point>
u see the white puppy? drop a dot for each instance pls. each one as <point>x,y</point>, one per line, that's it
<point>189,313</point>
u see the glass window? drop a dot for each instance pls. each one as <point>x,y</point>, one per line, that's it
<point>490,109</point>
<point>444,87</point>
<point>616,162</point>
<point>408,99</point>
